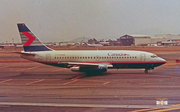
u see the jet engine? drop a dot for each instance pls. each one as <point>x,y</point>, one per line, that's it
<point>89,69</point>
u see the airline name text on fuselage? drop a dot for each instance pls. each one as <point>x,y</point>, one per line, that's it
<point>118,54</point>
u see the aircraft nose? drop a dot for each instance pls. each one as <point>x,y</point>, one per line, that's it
<point>162,60</point>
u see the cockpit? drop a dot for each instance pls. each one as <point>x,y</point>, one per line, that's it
<point>154,56</point>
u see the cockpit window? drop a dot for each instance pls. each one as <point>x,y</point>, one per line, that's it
<point>154,56</point>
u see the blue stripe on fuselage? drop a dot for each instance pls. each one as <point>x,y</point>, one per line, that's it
<point>117,65</point>
<point>136,65</point>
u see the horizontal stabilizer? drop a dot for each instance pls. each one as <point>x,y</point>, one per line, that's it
<point>25,53</point>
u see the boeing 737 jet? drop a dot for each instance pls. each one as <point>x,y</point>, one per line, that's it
<point>90,61</point>
<point>102,43</point>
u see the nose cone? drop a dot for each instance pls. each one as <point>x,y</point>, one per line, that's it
<point>162,60</point>
<point>158,61</point>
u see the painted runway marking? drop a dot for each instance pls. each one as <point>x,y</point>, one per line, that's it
<point>160,109</point>
<point>80,105</point>
<point>105,83</point>
<point>145,110</point>
<point>70,82</point>
<point>28,68</point>
<point>158,76</point>
<point>19,70</point>
<point>34,82</point>
<point>176,105</point>
<point>6,80</point>
<point>33,67</point>
<point>78,77</point>
<point>164,110</point>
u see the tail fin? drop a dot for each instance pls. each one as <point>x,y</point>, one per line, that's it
<point>95,41</point>
<point>30,42</point>
<point>86,44</point>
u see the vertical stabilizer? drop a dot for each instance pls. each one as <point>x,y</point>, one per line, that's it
<point>30,42</point>
<point>95,41</point>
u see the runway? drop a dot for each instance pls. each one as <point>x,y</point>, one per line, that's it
<point>30,86</point>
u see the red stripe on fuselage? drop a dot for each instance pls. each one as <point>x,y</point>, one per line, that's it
<point>110,62</point>
<point>30,40</point>
<point>126,62</point>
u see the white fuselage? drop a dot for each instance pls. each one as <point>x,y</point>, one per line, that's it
<point>117,58</point>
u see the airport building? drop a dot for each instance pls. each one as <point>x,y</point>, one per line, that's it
<point>134,40</point>
<point>167,39</point>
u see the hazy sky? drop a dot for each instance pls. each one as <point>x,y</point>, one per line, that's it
<point>61,20</point>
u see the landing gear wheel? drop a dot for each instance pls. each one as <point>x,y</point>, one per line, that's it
<point>146,71</point>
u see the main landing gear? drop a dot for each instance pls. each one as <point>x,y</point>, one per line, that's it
<point>146,71</point>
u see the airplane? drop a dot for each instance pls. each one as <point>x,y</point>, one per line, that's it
<point>102,43</point>
<point>6,46</point>
<point>93,45</point>
<point>10,46</point>
<point>90,61</point>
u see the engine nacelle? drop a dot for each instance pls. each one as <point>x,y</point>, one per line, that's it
<point>89,69</point>
<point>75,69</point>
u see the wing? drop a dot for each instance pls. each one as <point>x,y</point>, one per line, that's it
<point>81,64</point>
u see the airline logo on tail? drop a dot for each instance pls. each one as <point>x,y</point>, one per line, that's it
<point>30,42</point>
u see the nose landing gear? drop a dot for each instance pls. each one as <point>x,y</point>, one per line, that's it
<point>146,70</point>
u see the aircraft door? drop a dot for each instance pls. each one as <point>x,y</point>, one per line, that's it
<point>48,57</point>
<point>143,57</point>
<point>97,58</point>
